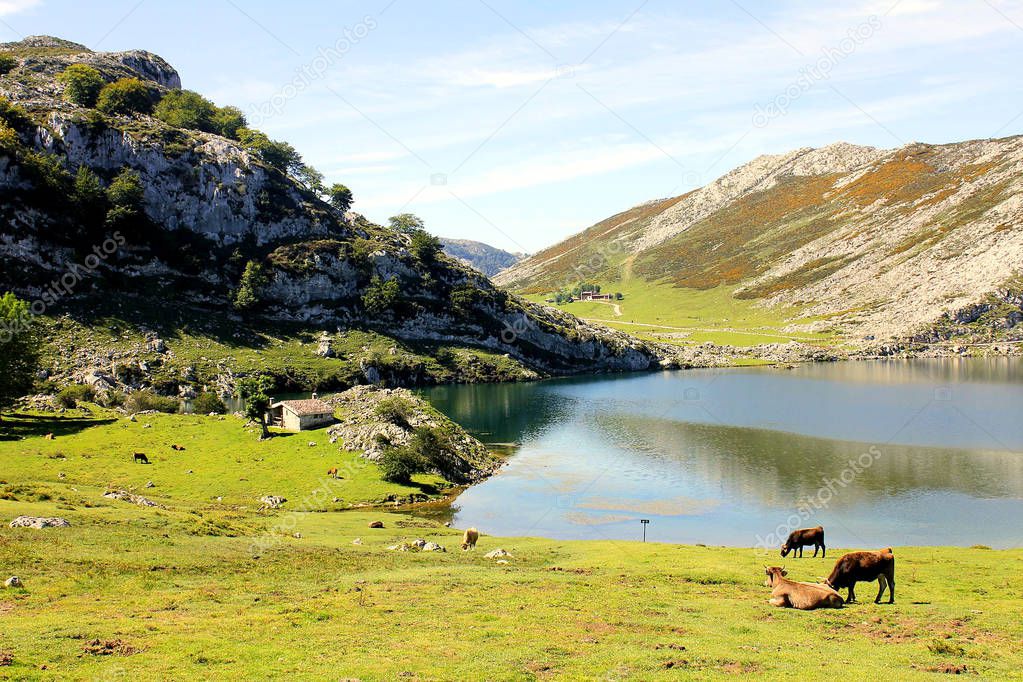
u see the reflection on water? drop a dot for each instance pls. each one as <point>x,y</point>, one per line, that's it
<point>922,452</point>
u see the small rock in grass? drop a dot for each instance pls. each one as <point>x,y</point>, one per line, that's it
<point>357,541</point>
<point>403,547</point>
<point>433,547</point>
<point>502,561</point>
<point>147,426</point>
<point>497,553</point>
<point>39,522</point>
<point>273,501</point>
<point>298,536</point>
<point>61,475</point>
<point>13,582</point>
<point>312,444</point>
<point>419,543</point>
<point>376,524</point>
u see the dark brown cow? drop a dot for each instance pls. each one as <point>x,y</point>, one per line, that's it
<point>140,457</point>
<point>791,594</point>
<point>802,537</point>
<point>865,567</point>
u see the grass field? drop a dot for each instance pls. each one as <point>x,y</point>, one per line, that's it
<point>207,588</point>
<point>662,312</point>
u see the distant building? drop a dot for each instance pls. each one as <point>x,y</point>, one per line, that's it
<point>300,415</point>
<point>594,296</point>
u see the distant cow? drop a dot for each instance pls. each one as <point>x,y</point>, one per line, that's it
<point>470,538</point>
<point>48,436</point>
<point>332,472</point>
<point>140,458</point>
<point>802,537</point>
<point>865,567</point>
<point>791,594</point>
<point>178,448</point>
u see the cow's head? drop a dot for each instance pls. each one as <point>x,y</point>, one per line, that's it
<point>774,573</point>
<point>785,549</point>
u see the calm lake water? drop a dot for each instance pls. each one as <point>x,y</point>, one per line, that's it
<point>880,453</point>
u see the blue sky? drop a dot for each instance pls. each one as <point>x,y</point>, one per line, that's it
<point>519,123</point>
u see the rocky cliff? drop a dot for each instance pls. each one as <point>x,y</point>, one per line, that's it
<point>217,224</point>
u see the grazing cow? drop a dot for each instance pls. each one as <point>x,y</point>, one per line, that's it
<point>470,538</point>
<point>140,458</point>
<point>178,448</point>
<point>332,472</point>
<point>48,436</point>
<point>802,537</point>
<point>865,567</point>
<point>791,594</point>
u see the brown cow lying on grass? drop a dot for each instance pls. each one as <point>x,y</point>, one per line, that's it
<point>470,538</point>
<point>865,567</point>
<point>802,537</point>
<point>791,594</point>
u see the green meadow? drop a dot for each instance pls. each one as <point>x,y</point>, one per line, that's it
<point>662,312</point>
<point>210,586</point>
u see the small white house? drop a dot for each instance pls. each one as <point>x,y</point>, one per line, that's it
<point>299,415</point>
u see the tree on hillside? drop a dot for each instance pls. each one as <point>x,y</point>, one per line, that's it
<point>424,246</point>
<point>82,84</point>
<point>186,109</point>
<point>279,155</point>
<point>406,223</point>
<point>340,197</point>
<point>255,391</point>
<point>229,121</point>
<point>125,96</point>
<point>19,350</point>
<point>250,289</point>
<point>125,195</point>
<point>312,179</point>
<point>380,295</point>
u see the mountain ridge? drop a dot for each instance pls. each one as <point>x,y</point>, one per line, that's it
<point>868,239</point>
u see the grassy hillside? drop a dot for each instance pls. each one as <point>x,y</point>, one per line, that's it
<point>205,588</point>
<point>854,241</point>
<point>661,312</point>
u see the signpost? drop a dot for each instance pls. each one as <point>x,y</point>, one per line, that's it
<point>644,522</point>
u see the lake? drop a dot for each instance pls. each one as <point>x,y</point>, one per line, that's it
<point>921,452</point>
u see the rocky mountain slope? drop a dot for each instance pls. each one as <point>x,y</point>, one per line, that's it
<point>869,242</point>
<point>487,259</point>
<point>227,246</point>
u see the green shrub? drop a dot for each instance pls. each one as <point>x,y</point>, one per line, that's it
<point>228,121</point>
<point>70,396</point>
<point>186,109</point>
<point>14,116</point>
<point>125,96</point>
<point>8,63</point>
<point>400,464</point>
<point>394,410</point>
<point>82,84</point>
<point>250,288</point>
<point>425,246</point>
<point>208,403</point>
<point>380,295</point>
<point>147,400</point>
<point>279,155</point>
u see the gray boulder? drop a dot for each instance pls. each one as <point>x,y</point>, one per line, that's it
<point>39,522</point>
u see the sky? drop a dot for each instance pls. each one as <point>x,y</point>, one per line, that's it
<point>520,123</point>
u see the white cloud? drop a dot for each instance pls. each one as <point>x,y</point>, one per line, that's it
<point>8,7</point>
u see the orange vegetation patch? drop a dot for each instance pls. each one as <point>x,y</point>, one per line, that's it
<point>742,239</point>
<point>903,179</point>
